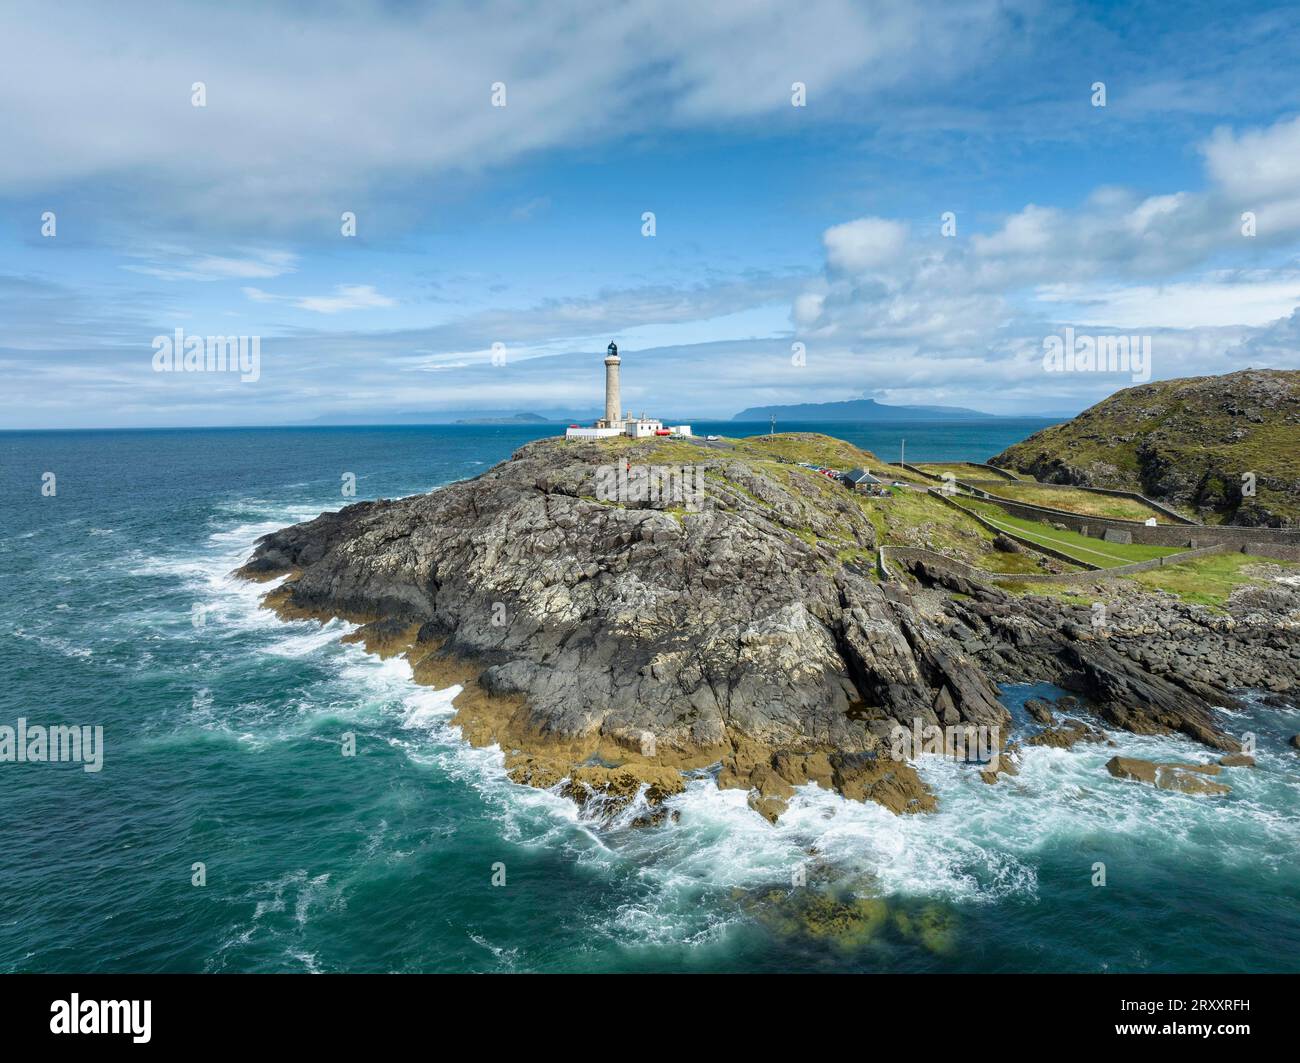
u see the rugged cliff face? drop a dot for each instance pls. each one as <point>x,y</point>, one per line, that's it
<point>1186,443</point>
<point>612,641</point>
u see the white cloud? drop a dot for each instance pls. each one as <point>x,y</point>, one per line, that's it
<point>1259,164</point>
<point>865,244</point>
<point>1210,302</point>
<point>969,315</point>
<point>345,297</point>
<point>1029,232</point>
<point>174,263</point>
<point>307,108</point>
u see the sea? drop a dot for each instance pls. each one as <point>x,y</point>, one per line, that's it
<point>225,831</point>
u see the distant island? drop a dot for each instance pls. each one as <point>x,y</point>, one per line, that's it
<point>513,418</point>
<point>860,410</point>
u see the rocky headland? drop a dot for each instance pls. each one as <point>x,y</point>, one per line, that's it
<point>1220,448</point>
<point>610,644</point>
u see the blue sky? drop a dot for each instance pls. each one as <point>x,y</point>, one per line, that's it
<point>522,225</point>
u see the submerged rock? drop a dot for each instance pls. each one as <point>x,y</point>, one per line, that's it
<point>935,927</point>
<point>1187,778</point>
<point>841,919</point>
<point>1039,710</point>
<point>1007,763</point>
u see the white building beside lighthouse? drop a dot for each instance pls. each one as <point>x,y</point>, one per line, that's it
<point>615,422</point>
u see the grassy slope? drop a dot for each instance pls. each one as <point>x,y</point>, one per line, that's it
<point>1207,580</point>
<point>1183,442</point>
<point>912,518</point>
<point>1075,500</point>
<point>1080,547</point>
<point>905,518</point>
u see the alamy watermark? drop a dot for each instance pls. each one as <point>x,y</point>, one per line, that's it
<point>38,744</point>
<point>1098,354</point>
<point>180,353</point>
<point>963,742</point>
<point>681,485</point>
<point>75,1016</point>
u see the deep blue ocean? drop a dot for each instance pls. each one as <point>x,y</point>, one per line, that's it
<point>222,729</point>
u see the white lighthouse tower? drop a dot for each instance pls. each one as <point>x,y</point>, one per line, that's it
<point>616,422</point>
<point>613,413</point>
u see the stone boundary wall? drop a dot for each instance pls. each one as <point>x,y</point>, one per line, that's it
<point>1159,535</point>
<point>1178,518</point>
<point>912,468</point>
<point>1277,551</point>
<point>1002,474</point>
<point>979,575</point>
<point>1186,533</point>
<point>1021,539</point>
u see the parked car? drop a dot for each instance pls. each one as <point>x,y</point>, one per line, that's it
<point>713,439</point>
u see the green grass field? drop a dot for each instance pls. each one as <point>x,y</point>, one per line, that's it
<point>1073,500</point>
<point>913,518</point>
<point>1208,580</point>
<point>1079,547</point>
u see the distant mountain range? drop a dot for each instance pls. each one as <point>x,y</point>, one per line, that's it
<point>416,417</point>
<point>860,410</point>
<point>512,418</point>
<point>850,411</point>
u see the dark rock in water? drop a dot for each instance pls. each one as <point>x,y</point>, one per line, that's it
<point>1295,741</point>
<point>741,628</point>
<point>1039,710</point>
<point>1065,736</point>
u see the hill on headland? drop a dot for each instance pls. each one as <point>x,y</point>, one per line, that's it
<point>609,638</point>
<point>1201,444</point>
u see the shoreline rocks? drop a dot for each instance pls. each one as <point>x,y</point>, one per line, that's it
<point>1186,778</point>
<point>619,643</point>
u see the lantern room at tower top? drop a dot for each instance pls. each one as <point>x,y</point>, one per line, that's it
<point>615,423</point>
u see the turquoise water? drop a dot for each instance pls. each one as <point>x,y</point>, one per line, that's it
<point>222,747</point>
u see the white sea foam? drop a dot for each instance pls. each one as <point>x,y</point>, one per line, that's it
<point>983,845</point>
<point>302,644</point>
<point>55,642</point>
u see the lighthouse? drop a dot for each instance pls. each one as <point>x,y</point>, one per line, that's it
<point>616,422</point>
<point>612,408</point>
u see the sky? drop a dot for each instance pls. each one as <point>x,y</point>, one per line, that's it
<point>760,202</point>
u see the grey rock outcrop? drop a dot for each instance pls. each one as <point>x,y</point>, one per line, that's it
<point>752,617</point>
